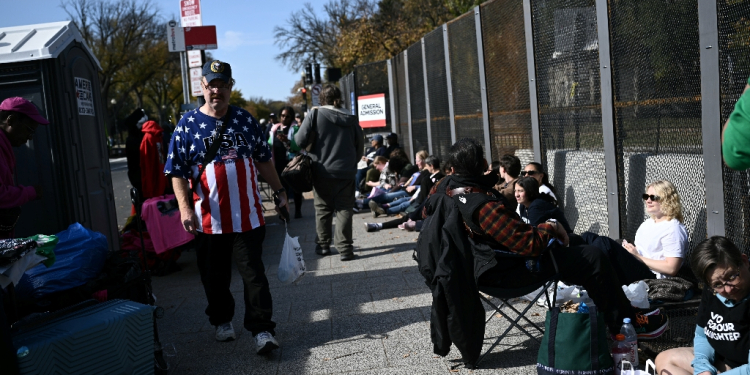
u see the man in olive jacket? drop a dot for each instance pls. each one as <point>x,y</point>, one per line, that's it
<point>336,149</point>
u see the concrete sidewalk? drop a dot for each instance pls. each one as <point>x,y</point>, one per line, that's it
<point>367,316</point>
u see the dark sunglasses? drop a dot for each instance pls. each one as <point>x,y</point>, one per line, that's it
<point>529,173</point>
<point>654,198</point>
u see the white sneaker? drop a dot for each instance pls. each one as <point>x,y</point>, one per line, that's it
<point>265,343</point>
<point>225,332</point>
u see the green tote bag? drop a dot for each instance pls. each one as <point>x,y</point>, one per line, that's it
<point>574,344</point>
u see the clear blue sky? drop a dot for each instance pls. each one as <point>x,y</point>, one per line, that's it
<point>244,28</point>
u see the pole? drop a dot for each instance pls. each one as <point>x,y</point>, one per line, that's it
<point>185,78</point>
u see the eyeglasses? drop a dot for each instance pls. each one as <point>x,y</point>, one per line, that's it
<point>29,129</point>
<point>719,286</point>
<point>529,173</point>
<point>654,198</point>
<point>217,86</point>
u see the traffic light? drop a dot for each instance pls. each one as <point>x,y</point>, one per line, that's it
<point>316,72</point>
<point>308,74</point>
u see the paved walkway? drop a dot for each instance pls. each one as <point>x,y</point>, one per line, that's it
<point>367,316</point>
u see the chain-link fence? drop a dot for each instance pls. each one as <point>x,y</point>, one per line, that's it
<point>507,80</point>
<point>603,133</point>
<point>734,70</point>
<point>372,79</point>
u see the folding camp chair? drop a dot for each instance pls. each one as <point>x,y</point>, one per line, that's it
<point>506,294</point>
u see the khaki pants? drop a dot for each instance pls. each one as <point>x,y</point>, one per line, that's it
<point>334,195</point>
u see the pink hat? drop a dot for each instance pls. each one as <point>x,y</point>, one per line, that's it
<point>21,105</point>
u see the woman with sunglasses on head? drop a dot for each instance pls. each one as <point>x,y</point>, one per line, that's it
<point>660,242</point>
<point>535,207</point>
<point>536,171</point>
<point>722,333</point>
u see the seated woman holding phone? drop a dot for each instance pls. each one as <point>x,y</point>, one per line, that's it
<point>661,241</point>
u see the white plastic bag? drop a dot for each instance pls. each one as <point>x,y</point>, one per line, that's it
<point>637,293</point>
<point>634,371</point>
<point>292,265</point>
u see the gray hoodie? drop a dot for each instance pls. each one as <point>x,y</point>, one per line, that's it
<point>338,146</point>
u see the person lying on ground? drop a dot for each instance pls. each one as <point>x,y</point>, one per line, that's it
<point>722,333</point>
<point>661,241</point>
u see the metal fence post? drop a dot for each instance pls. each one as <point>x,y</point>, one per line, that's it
<point>391,91</point>
<point>426,100</point>
<point>408,100</point>
<point>483,85</point>
<point>531,64</point>
<point>446,49</point>
<point>708,29</point>
<point>608,119</point>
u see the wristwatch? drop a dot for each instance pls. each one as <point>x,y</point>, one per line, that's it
<point>277,192</point>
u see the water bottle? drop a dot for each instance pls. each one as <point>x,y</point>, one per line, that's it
<point>620,351</point>
<point>631,341</point>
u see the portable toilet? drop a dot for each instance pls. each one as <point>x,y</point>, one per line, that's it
<point>50,65</point>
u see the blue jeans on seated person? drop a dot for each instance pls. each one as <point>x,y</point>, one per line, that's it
<point>385,198</point>
<point>398,205</point>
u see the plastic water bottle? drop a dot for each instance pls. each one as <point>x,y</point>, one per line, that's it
<point>620,351</point>
<point>631,341</point>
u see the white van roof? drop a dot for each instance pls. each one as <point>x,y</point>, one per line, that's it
<point>40,41</point>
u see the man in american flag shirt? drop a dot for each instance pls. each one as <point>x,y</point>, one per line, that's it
<point>224,209</point>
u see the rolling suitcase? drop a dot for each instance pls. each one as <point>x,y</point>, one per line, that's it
<point>113,337</point>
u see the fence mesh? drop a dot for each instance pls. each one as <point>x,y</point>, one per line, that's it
<point>656,76</point>
<point>417,98</point>
<point>344,86</point>
<point>567,71</point>
<point>467,93</point>
<point>399,74</point>
<point>437,88</point>
<point>504,43</point>
<point>371,79</point>
<point>734,69</point>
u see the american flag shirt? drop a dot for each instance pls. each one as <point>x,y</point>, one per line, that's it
<point>227,199</point>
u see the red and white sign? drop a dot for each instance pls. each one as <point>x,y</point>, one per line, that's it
<point>371,111</point>
<point>200,37</point>
<point>195,81</point>
<point>191,38</point>
<point>194,59</point>
<point>190,13</point>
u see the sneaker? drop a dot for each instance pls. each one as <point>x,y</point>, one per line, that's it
<point>376,209</point>
<point>647,312</point>
<point>355,209</point>
<point>265,343</point>
<point>371,227</point>
<point>649,327</point>
<point>225,332</point>
<point>358,204</point>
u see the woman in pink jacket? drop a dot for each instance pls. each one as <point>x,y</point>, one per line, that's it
<point>19,119</point>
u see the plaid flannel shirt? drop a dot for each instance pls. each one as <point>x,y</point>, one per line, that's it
<point>507,228</point>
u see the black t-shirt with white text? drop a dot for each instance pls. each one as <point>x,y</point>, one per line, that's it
<point>727,328</point>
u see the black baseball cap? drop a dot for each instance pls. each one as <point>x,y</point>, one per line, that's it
<point>217,70</point>
<point>392,135</point>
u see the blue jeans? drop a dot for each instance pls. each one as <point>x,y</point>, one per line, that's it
<point>398,205</point>
<point>385,198</point>
<point>361,173</point>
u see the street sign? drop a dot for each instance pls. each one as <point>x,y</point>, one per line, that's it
<point>190,13</point>
<point>191,38</point>
<point>316,89</point>
<point>195,60</point>
<point>371,110</point>
<point>195,81</point>
<point>175,39</point>
<point>200,37</point>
